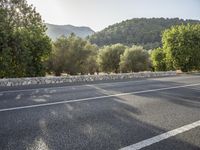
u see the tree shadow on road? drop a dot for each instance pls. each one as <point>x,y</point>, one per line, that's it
<point>110,123</point>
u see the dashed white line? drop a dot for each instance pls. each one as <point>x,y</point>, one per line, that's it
<point>161,137</point>
<point>95,98</point>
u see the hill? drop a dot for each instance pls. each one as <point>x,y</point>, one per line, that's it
<point>55,31</point>
<point>139,31</point>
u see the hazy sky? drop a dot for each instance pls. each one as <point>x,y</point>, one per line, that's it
<point>98,14</point>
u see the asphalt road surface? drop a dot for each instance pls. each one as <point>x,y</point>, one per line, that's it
<point>149,114</point>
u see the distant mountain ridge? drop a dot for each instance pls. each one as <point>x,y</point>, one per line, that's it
<point>55,31</point>
<point>139,31</point>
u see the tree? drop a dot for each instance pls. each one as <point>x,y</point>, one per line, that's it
<point>158,58</point>
<point>90,64</point>
<point>139,31</point>
<point>72,55</point>
<point>134,59</point>
<point>109,57</point>
<point>182,46</point>
<point>23,43</point>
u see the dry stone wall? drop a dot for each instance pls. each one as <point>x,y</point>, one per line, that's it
<point>81,78</point>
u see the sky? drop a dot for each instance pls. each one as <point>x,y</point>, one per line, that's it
<point>99,14</point>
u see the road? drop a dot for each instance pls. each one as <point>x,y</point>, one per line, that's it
<point>149,114</point>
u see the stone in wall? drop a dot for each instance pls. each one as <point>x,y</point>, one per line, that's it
<point>81,78</point>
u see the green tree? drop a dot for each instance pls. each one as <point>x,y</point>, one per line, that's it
<point>139,31</point>
<point>109,57</point>
<point>158,58</point>
<point>23,43</point>
<point>182,46</point>
<point>90,65</point>
<point>72,55</point>
<point>134,59</point>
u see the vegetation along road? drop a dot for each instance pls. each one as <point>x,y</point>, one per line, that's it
<point>149,114</point>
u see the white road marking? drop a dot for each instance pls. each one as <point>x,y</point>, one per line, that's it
<point>110,83</point>
<point>174,77</point>
<point>162,137</point>
<point>62,87</point>
<point>95,98</point>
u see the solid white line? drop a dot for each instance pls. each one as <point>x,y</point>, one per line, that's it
<point>110,83</point>
<point>162,137</point>
<point>62,87</point>
<point>95,98</point>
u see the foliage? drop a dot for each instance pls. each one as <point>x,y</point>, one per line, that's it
<point>134,59</point>
<point>73,55</point>
<point>182,46</point>
<point>23,43</point>
<point>143,31</point>
<point>158,58</point>
<point>109,57</point>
